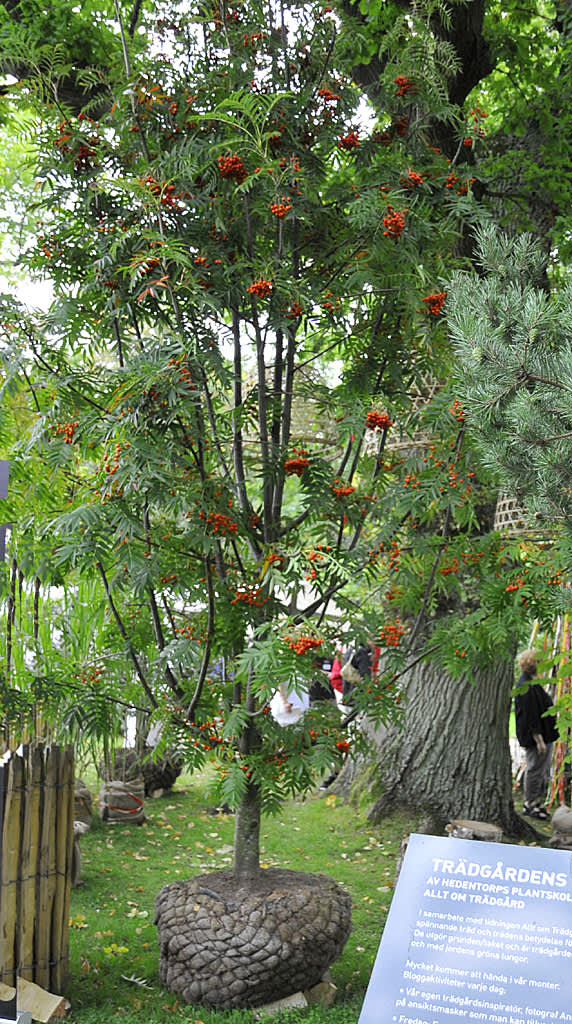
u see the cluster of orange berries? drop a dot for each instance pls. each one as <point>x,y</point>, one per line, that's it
<point>412,180</point>
<point>303,644</point>
<point>455,479</point>
<point>185,376</point>
<point>165,193</point>
<point>463,186</point>
<point>410,480</point>
<point>397,128</point>
<point>274,559</point>
<point>50,247</point>
<point>515,586</point>
<point>394,222</point>
<point>250,594</point>
<point>91,675</point>
<point>328,96</point>
<point>375,420</point>
<point>374,553</point>
<point>110,463</point>
<point>452,568</point>
<point>315,556</point>
<point>330,306</point>
<point>295,311</point>
<point>467,557</point>
<point>479,131</point>
<point>394,553</point>
<point>457,411</point>
<point>297,465</point>
<point>390,634</point>
<point>252,38</point>
<point>404,85</point>
<point>219,522</point>
<point>186,631</point>
<point>434,302</point>
<point>170,578</point>
<point>349,141</point>
<point>232,167</point>
<point>342,490</point>
<point>61,141</point>
<point>86,151</point>
<point>281,209</point>
<point>67,430</point>
<point>85,156</point>
<point>262,288</point>
<point>518,583</point>
<point>556,580</point>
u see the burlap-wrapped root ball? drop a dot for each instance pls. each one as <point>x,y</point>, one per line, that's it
<point>230,946</point>
<point>159,773</point>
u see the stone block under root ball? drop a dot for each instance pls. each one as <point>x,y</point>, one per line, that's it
<point>231,946</point>
<point>83,803</point>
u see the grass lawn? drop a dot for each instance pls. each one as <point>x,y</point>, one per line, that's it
<point>113,945</point>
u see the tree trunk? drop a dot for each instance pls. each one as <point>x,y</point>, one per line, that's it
<point>247,836</point>
<point>450,758</point>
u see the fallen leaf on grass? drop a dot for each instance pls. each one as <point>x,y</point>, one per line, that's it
<point>141,982</point>
<point>78,921</point>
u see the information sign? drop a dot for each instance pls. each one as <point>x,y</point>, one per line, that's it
<point>476,932</point>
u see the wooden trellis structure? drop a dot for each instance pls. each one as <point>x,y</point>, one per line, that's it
<point>411,437</point>
<point>36,828</point>
<point>509,516</point>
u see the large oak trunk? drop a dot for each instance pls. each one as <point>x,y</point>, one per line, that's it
<point>451,757</point>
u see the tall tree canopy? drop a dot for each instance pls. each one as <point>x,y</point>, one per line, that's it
<point>231,424</point>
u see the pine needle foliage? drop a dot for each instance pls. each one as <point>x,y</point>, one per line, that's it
<point>514,343</point>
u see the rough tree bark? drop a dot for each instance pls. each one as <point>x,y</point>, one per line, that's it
<point>450,758</point>
<point>247,837</point>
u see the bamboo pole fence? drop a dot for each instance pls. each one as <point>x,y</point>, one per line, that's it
<point>36,845</point>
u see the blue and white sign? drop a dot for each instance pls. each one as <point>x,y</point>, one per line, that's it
<point>476,932</point>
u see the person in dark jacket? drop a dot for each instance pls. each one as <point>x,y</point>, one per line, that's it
<point>536,732</point>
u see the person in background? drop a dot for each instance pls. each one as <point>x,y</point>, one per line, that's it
<point>337,685</point>
<point>536,732</point>
<point>336,681</point>
<point>320,688</point>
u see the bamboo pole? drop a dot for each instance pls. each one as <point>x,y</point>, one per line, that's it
<point>46,871</point>
<point>63,836</point>
<point>11,843</point>
<point>28,922</point>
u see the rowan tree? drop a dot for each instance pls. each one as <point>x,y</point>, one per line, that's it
<point>223,232</point>
<point>208,244</point>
